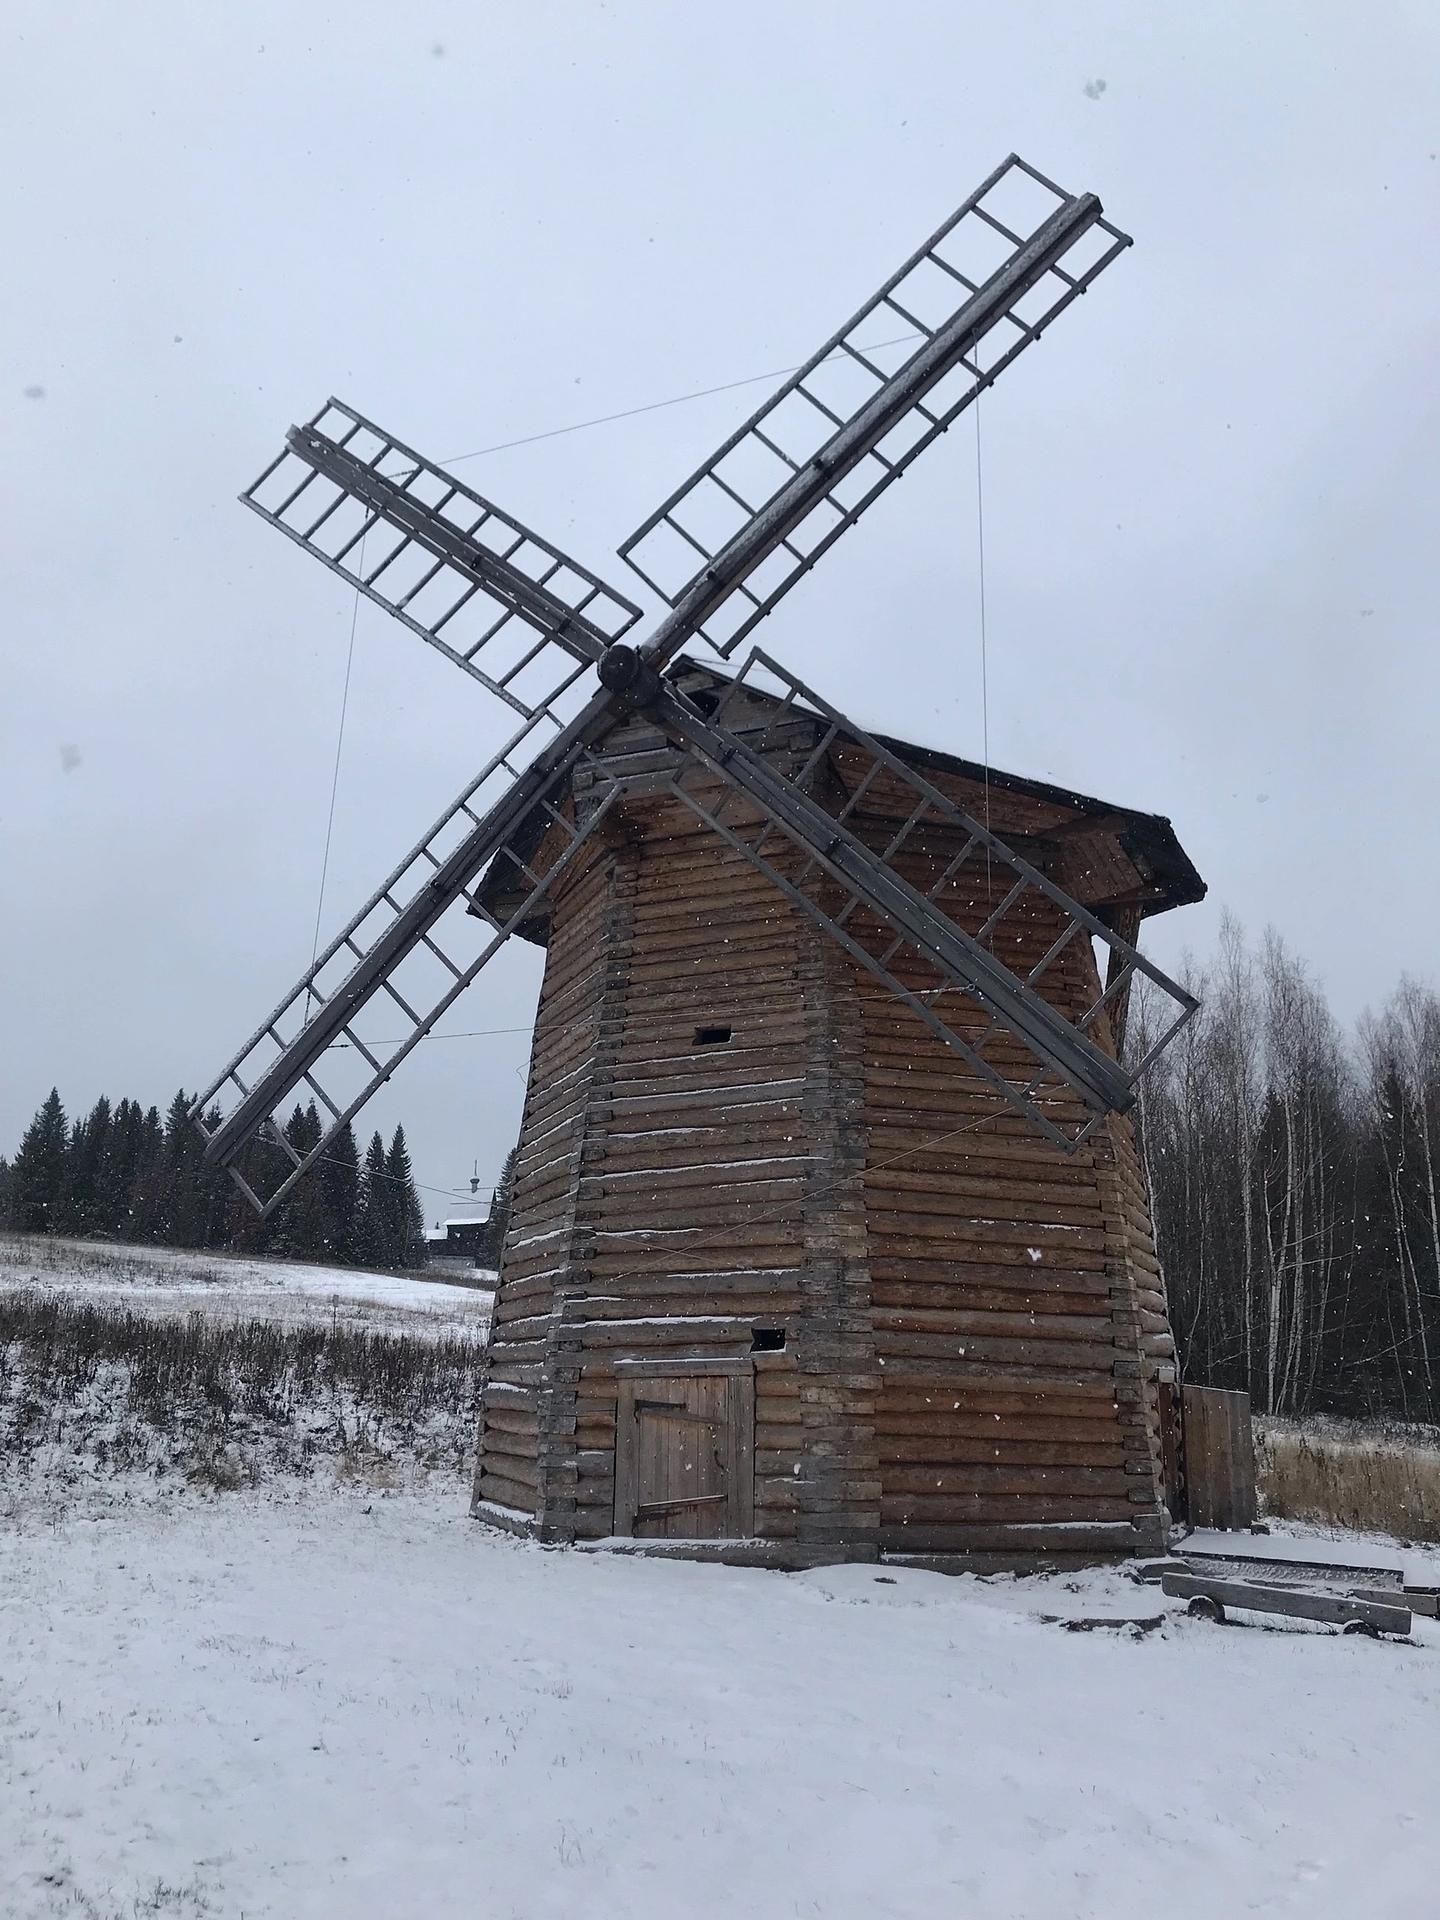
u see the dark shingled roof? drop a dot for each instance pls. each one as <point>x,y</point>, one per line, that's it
<point>1147,839</point>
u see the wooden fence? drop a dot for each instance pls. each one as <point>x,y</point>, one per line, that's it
<point>1219,1458</point>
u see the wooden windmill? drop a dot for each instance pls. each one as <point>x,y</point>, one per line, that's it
<point>829,1237</point>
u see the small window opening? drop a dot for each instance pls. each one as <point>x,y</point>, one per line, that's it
<point>711,1036</point>
<point>767,1339</point>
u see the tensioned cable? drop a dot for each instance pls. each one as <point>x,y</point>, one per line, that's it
<point>654,406</point>
<point>335,779</point>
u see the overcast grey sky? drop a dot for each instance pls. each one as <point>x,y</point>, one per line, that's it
<point>1210,494</point>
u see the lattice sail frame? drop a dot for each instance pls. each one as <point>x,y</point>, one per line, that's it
<point>841,878</point>
<point>500,602</point>
<point>991,279</point>
<point>431,899</point>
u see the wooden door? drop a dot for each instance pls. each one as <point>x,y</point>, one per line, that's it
<point>684,1451</point>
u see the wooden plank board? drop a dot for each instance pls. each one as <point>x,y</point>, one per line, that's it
<point>1334,1609</point>
<point>1219,1458</point>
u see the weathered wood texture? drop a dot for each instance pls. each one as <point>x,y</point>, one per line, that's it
<point>1010,1323</point>
<point>1219,1458</point>
<point>1336,1610</point>
<point>973,1322</point>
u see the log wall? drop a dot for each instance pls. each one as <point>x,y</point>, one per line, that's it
<point>973,1319</point>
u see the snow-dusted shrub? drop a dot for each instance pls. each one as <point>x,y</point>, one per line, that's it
<point>221,1402</point>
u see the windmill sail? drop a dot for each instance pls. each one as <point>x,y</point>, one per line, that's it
<point>935,907</point>
<point>504,605</point>
<point>738,534</point>
<point>405,958</point>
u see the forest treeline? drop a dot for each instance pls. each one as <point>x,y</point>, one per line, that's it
<point>1294,1174</point>
<point>123,1172</point>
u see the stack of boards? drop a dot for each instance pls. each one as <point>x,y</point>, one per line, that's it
<point>1359,1599</point>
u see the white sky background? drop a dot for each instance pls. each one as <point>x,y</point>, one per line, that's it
<point>1210,493</point>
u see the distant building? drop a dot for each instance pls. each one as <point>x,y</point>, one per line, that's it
<point>459,1246</point>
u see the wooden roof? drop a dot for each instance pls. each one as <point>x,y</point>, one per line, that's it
<point>1105,856</point>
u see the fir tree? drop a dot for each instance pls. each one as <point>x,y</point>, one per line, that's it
<point>181,1214</point>
<point>38,1177</point>
<point>303,1225</point>
<point>373,1236</point>
<point>86,1170</point>
<point>117,1173</point>
<point>407,1218</point>
<point>338,1172</point>
<point>145,1197</point>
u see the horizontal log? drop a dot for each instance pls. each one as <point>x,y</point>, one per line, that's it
<point>1023,1537</point>
<point>765,1309</point>
<point>501,1418</point>
<point>1011,1325</point>
<point>896,1429</point>
<point>936,1268</point>
<point>895,1132</point>
<point>600,1362</point>
<point>944,1509</point>
<point>938,1451</point>
<point>939,1195</point>
<point>902,1477</point>
<point>606,1260</point>
<point>520,1373</point>
<point>957,1373</point>
<point>786,1283</point>
<point>899,1216</point>
<point>919,1240</point>
<point>737,1224</point>
<point>516,1450</point>
<point>670,1119</point>
<point>507,1489</point>
<point>711,1072</point>
<point>641,1148</point>
<point>944,1295</point>
<point>1069,1353</point>
<point>676,1184</point>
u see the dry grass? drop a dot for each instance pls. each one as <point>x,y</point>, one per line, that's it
<point>225,1404</point>
<point>1375,1477</point>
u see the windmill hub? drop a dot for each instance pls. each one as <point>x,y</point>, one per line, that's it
<point>625,671</point>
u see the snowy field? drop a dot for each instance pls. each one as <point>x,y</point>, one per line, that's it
<point>165,1280</point>
<point>325,1692</point>
<point>372,1707</point>
<point>375,1707</point>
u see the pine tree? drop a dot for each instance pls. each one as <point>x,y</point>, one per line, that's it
<point>373,1236</point>
<point>407,1217</point>
<point>39,1175</point>
<point>7,1193</point>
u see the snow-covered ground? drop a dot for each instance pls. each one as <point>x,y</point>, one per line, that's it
<point>316,1696</point>
<point>165,1280</point>
<point>348,1704</point>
